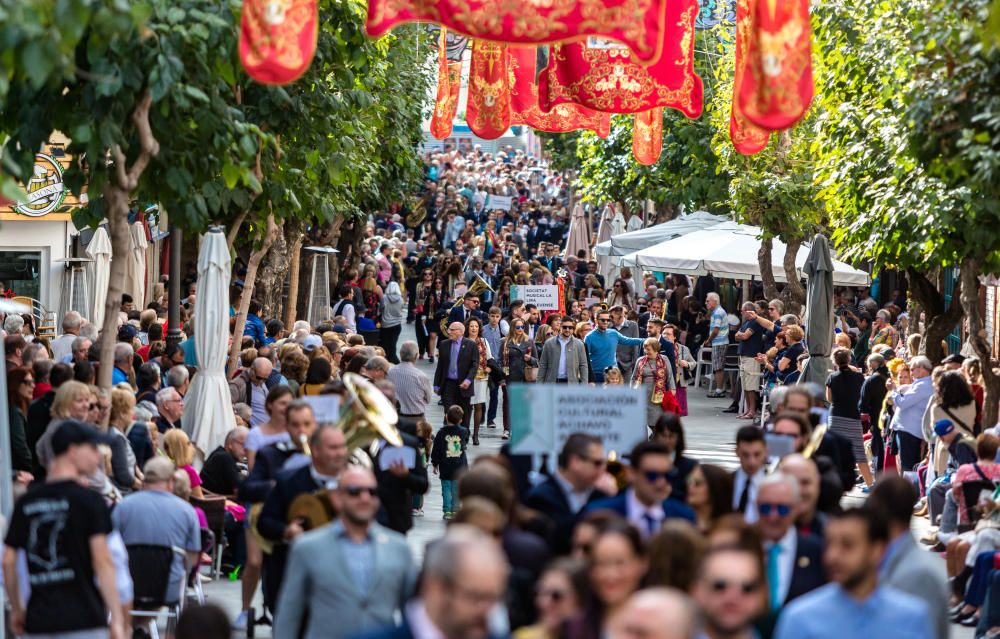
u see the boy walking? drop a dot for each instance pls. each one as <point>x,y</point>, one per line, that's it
<point>448,457</point>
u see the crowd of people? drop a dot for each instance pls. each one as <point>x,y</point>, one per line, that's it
<point>657,545</point>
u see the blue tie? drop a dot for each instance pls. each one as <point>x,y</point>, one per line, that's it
<point>773,575</point>
<point>650,523</point>
<point>453,360</point>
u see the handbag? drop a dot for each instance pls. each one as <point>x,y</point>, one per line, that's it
<point>531,374</point>
<point>669,403</point>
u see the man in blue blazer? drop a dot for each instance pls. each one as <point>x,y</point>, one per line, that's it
<point>468,308</point>
<point>464,576</point>
<point>647,503</point>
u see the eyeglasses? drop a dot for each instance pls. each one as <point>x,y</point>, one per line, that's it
<point>519,327</point>
<point>357,491</point>
<point>771,308</point>
<point>93,406</point>
<point>555,594</point>
<point>603,319</point>
<point>29,382</point>
<point>720,586</point>
<point>568,327</point>
<point>598,463</point>
<point>652,476</point>
<point>766,509</point>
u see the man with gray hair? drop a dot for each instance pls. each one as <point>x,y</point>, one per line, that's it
<point>171,407</point>
<point>13,324</point>
<point>222,472</point>
<point>883,331</point>
<point>413,388</point>
<point>910,401</point>
<point>751,344</point>
<point>655,613</point>
<point>717,340</point>
<point>123,364</point>
<point>79,350</point>
<point>376,368</point>
<point>62,345</point>
<point>251,387</point>
<point>179,378</point>
<point>793,560</point>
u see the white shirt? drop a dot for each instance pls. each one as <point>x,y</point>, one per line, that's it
<point>561,372</point>
<point>62,347</point>
<point>421,626</point>
<point>786,561</point>
<point>577,500</point>
<point>740,480</point>
<point>642,516</point>
<point>348,312</point>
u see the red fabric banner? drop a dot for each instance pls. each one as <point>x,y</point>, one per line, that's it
<point>524,108</point>
<point>488,107</point>
<point>647,136</point>
<point>747,137</point>
<point>612,80</point>
<point>446,102</point>
<point>777,80</point>
<point>278,39</point>
<point>638,24</point>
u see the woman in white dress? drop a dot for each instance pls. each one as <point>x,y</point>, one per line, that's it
<point>481,385</point>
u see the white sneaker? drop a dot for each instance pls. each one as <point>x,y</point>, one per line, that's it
<point>241,621</point>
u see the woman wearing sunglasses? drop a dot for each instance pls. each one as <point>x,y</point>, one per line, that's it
<point>517,352</point>
<point>560,592</point>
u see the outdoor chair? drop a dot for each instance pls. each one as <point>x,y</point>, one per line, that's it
<point>214,508</point>
<point>149,565</point>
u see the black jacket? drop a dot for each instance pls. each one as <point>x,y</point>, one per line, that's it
<point>266,468</point>
<point>549,500</point>
<point>396,493</point>
<point>39,415</point>
<point>873,394</point>
<point>468,364</point>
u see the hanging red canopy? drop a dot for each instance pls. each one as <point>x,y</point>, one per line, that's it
<point>610,79</point>
<point>278,40</point>
<point>524,108</point>
<point>747,137</point>
<point>638,24</point>
<point>446,102</point>
<point>777,78</point>
<point>647,136</point>
<point>488,107</point>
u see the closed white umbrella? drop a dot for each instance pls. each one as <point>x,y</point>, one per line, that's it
<point>99,250</point>
<point>208,410</point>
<point>579,235</point>
<point>135,273</point>
<point>610,271</point>
<point>604,235</point>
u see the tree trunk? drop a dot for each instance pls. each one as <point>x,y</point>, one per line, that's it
<point>116,193</point>
<point>294,268</point>
<point>664,213</point>
<point>978,338</point>
<point>241,314</point>
<point>794,294</point>
<point>234,230</point>
<point>939,321</point>
<point>764,257</point>
<point>271,275</point>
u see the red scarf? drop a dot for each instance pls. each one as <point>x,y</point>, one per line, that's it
<point>483,371</point>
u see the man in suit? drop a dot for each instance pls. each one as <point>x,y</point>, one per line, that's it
<point>564,359</point>
<point>468,308</point>
<point>464,577</point>
<point>458,361</point>
<point>752,453</point>
<point>905,566</point>
<point>647,503</point>
<point>563,495</point>
<point>625,353</point>
<point>794,561</point>
<point>350,576</point>
<point>329,457</point>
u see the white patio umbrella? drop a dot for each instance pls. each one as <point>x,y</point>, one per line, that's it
<point>644,238</point>
<point>208,411</point>
<point>730,250</point>
<point>634,223</point>
<point>135,273</point>
<point>610,271</point>
<point>604,234</point>
<point>579,235</point>
<point>99,250</point>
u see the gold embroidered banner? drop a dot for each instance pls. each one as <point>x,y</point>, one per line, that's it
<point>488,108</point>
<point>647,136</point>
<point>747,137</point>
<point>446,102</point>
<point>610,79</point>
<point>777,79</point>
<point>524,107</point>
<point>277,39</point>
<point>638,24</point>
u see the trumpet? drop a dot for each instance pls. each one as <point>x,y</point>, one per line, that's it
<point>304,441</point>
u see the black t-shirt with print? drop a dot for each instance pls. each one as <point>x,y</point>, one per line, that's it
<point>53,523</point>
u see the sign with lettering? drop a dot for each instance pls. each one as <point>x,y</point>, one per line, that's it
<point>45,190</point>
<point>544,296</point>
<point>543,416</point>
<point>499,203</point>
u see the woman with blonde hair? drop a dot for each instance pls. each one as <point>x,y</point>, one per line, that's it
<point>180,450</point>
<point>72,401</point>
<point>124,473</point>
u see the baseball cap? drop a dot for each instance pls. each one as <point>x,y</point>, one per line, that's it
<point>127,332</point>
<point>73,432</point>
<point>943,427</point>
<point>954,358</point>
<point>311,342</point>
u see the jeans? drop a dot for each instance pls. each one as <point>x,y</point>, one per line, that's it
<point>975,594</point>
<point>599,377</point>
<point>491,411</point>
<point>449,495</point>
<point>949,515</point>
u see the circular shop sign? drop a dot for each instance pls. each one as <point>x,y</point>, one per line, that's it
<point>46,190</point>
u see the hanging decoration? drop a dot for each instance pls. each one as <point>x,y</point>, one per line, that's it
<point>488,108</point>
<point>524,108</point>
<point>747,137</point>
<point>637,24</point>
<point>446,102</point>
<point>777,79</point>
<point>278,39</point>
<point>647,136</point>
<point>608,77</point>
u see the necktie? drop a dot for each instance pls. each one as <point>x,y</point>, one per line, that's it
<point>773,575</point>
<point>745,496</point>
<point>651,527</point>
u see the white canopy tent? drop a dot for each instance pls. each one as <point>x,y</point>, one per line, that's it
<point>644,238</point>
<point>729,250</point>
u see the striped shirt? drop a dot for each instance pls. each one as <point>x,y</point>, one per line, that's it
<point>413,388</point>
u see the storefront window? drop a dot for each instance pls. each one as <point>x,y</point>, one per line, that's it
<point>20,273</point>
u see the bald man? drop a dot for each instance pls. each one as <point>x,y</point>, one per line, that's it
<point>458,361</point>
<point>251,387</point>
<point>804,470</point>
<point>656,613</point>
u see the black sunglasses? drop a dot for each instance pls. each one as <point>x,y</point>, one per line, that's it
<point>357,491</point>
<point>554,594</point>
<point>746,587</point>
<point>652,475</point>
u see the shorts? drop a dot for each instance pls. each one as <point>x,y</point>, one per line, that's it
<point>718,357</point>
<point>749,374</point>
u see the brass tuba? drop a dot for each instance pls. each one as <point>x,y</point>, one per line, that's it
<point>478,286</point>
<point>417,213</point>
<point>815,440</point>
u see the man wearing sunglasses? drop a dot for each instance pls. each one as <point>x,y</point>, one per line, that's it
<point>564,359</point>
<point>793,560</point>
<point>730,592</point>
<point>647,503</point>
<point>348,577</point>
<point>602,345</point>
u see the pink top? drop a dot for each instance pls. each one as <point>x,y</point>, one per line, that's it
<point>202,519</point>
<point>192,475</point>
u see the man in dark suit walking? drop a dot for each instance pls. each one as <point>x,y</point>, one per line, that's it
<point>562,496</point>
<point>458,361</point>
<point>794,561</point>
<point>468,308</point>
